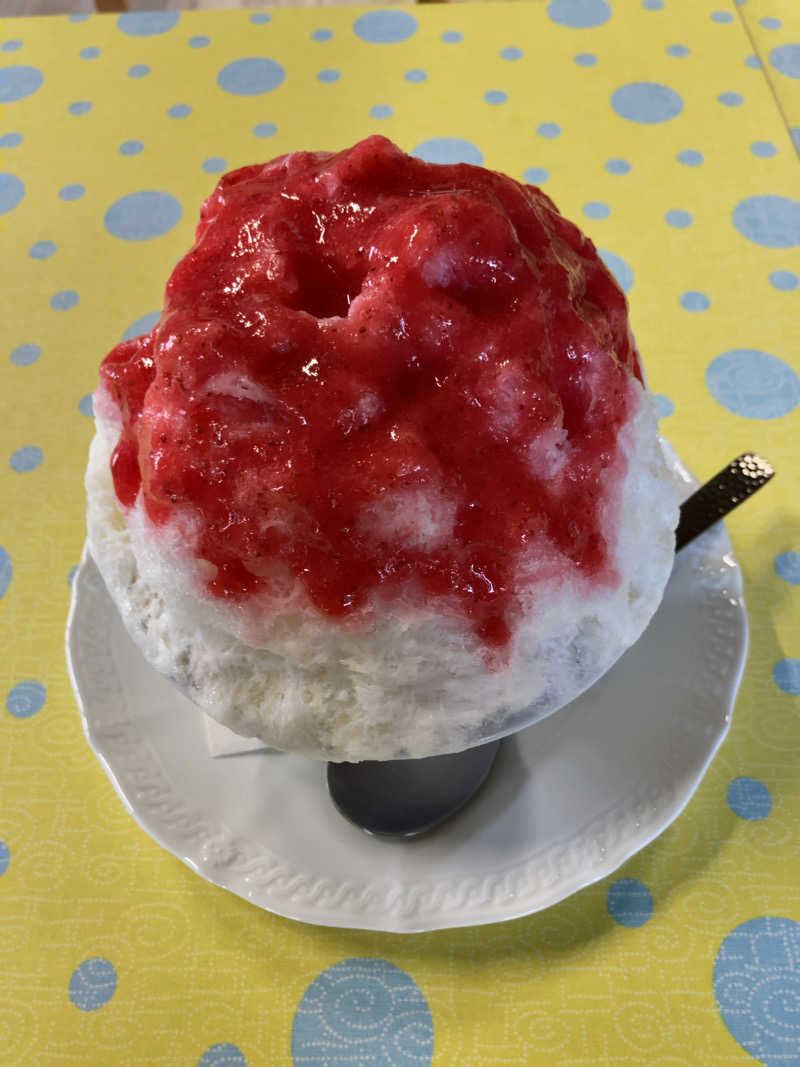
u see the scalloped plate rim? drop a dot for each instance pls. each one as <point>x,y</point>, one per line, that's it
<point>390,921</point>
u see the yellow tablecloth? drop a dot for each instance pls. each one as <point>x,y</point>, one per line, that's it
<point>656,127</point>
<point>775,31</point>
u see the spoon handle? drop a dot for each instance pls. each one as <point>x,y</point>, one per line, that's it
<point>720,495</point>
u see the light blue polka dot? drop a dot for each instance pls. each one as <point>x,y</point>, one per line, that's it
<point>416,75</point>
<point>6,571</point>
<point>536,175</point>
<point>795,135</point>
<point>664,406</point>
<point>252,76</point>
<point>452,37</point>
<point>731,99</point>
<point>363,1010</point>
<point>10,46</point>
<point>548,129</point>
<point>618,166</point>
<point>621,270</point>
<point>753,384</point>
<point>786,60</point>
<point>18,82</point>
<point>26,459</point>
<point>131,148</point>
<point>26,699</point>
<point>80,107</point>
<point>585,59</point>
<point>141,325</point>
<point>784,279</point>
<point>261,18</point>
<point>11,140</point>
<point>448,150</point>
<point>385,27</point>
<point>787,676</point>
<point>647,102</point>
<point>64,300</point>
<point>690,158</point>
<point>721,16</point>
<point>86,406</point>
<point>214,164</point>
<point>42,250</point>
<point>71,576</point>
<point>770,23</point>
<point>579,14</point>
<point>787,566</point>
<point>5,857</point>
<point>763,149</point>
<point>679,219</point>
<point>24,355</point>
<point>12,191</point>
<point>223,1054</point>
<point>653,5</point>
<point>596,209</point>
<point>749,799</point>
<point>630,902</point>
<point>265,129</point>
<point>72,192</point>
<point>511,54</point>
<point>772,221</point>
<point>329,76</point>
<point>695,301</point>
<point>89,53</point>
<point>142,216</point>
<point>199,41</point>
<point>138,70</point>
<point>322,34</point>
<point>757,988</point>
<point>381,111</point>
<point>753,62</point>
<point>78,18</point>
<point>92,984</point>
<point>495,96</point>
<point>147,23</point>
<point>678,51</point>
<point>179,111</point>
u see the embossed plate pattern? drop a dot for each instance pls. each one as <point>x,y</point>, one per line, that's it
<point>570,799</point>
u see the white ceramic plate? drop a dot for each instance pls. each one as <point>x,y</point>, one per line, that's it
<point>569,799</point>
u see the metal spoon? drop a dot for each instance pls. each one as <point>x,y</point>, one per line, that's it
<point>403,798</point>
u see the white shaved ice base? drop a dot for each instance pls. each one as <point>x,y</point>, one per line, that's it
<point>401,683</point>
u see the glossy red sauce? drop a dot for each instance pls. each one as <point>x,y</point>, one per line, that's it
<point>351,325</point>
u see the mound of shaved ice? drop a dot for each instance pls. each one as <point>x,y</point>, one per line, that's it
<point>384,480</point>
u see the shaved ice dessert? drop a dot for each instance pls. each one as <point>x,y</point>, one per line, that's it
<point>384,480</point>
